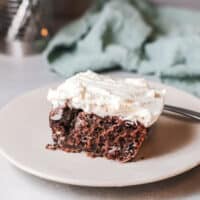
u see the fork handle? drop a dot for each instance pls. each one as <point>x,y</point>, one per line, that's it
<point>182,111</point>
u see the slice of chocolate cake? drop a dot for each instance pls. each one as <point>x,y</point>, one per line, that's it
<point>101,116</point>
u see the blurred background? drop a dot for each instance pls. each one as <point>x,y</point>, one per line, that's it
<point>26,26</point>
<point>180,3</point>
<point>155,38</point>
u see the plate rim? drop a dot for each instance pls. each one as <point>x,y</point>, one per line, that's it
<point>89,182</point>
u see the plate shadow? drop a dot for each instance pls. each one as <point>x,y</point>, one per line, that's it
<point>167,135</point>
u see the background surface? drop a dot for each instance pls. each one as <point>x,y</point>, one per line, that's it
<point>21,75</point>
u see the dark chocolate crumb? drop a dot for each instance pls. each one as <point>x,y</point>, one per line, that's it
<point>109,136</point>
<point>51,146</point>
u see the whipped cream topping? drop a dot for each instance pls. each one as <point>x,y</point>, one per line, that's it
<point>130,98</point>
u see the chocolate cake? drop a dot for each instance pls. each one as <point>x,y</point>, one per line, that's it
<point>89,116</point>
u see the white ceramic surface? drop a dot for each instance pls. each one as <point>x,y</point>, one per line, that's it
<point>172,148</point>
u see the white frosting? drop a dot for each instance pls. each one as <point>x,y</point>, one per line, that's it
<point>130,99</point>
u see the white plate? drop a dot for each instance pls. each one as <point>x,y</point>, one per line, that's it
<point>172,148</point>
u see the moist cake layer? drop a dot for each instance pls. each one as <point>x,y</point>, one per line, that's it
<point>109,136</point>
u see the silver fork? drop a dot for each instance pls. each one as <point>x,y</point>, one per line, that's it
<point>182,111</point>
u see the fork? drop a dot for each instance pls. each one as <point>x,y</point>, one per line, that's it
<point>182,111</point>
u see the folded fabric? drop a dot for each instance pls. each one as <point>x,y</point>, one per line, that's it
<point>178,21</point>
<point>133,35</point>
<point>100,40</point>
<point>174,55</point>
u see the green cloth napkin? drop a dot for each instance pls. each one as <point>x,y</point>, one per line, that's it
<point>174,55</point>
<point>102,39</point>
<point>133,35</point>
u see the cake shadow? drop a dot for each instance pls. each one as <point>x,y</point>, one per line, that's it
<point>169,134</point>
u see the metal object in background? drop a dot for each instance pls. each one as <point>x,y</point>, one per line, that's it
<point>27,25</point>
<point>15,16</point>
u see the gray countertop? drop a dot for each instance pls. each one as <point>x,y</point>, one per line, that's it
<point>17,76</point>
